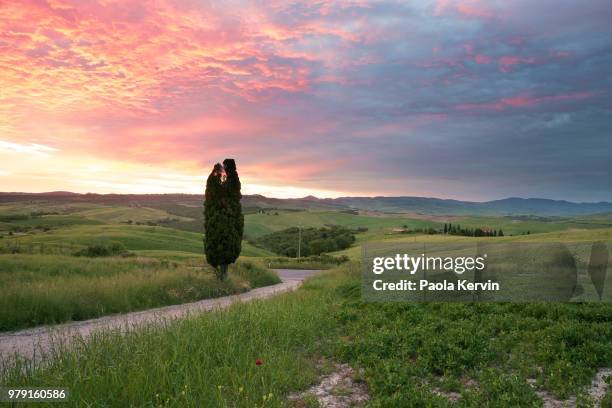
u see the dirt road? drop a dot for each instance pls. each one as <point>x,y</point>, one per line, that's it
<point>31,342</point>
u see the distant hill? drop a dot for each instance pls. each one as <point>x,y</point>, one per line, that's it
<point>437,206</point>
<point>418,205</point>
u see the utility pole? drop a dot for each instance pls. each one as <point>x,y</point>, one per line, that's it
<point>299,241</point>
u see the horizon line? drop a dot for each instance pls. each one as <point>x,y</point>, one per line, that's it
<point>310,196</point>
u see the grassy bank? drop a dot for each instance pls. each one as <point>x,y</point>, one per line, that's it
<point>210,359</point>
<point>417,354</point>
<point>48,289</point>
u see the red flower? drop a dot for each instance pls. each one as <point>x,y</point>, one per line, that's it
<point>258,362</point>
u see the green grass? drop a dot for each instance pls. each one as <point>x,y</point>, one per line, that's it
<point>567,236</point>
<point>45,206</point>
<point>317,262</point>
<point>116,214</point>
<point>43,284</point>
<point>521,225</point>
<point>205,360</point>
<point>486,352</point>
<point>48,221</point>
<point>410,352</point>
<point>257,225</point>
<point>133,237</point>
<point>104,213</point>
<point>42,289</point>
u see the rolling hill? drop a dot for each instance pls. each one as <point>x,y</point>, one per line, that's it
<point>189,204</point>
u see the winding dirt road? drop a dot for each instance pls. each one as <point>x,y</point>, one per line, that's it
<point>31,343</point>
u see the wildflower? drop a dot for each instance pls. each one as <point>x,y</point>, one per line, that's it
<point>258,362</point>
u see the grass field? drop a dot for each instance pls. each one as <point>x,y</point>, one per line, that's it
<point>44,283</point>
<point>486,354</point>
<point>44,289</point>
<point>260,224</point>
<point>534,225</point>
<point>412,354</point>
<point>133,237</point>
<point>125,214</point>
<point>424,354</point>
<point>213,358</point>
<point>565,236</point>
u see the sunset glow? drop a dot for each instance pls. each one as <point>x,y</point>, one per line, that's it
<point>325,98</point>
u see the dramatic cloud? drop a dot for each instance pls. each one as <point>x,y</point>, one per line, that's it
<point>465,99</point>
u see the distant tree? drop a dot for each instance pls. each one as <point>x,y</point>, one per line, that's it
<point>445,229</point>
<point>500,233</point>
<point>223,218</point>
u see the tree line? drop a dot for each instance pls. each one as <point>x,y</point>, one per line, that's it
<point>451,229</point>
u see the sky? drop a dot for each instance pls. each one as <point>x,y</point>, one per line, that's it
<point>464,99</point>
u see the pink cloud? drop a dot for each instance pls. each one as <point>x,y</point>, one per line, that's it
<point>521,101</point>
<point>154,82</point>
<point>482,59</point>
<point>507,62</point>
<point>68,55</point>
<point>465,8</point>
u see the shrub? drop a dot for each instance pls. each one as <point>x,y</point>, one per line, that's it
<point>323,261</point>
<point>98,250</point>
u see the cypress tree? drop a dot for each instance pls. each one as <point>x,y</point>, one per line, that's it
<point>223,219</point>
<point>236,230</point>
<point>500,233</point>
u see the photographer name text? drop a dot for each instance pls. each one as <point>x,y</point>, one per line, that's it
<point>412,264</point>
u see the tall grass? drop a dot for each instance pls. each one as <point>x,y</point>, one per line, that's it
<point>209,360</point>
<point>412,353</point>
<point>38,289</point>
